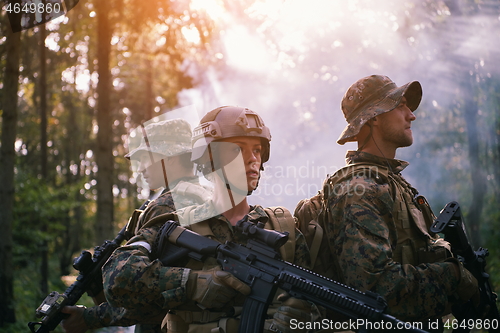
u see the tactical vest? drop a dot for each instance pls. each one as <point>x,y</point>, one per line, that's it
<point>206,321</point>
<point>412,215</point>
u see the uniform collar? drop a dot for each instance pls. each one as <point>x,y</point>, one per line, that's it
<point>396,166</point>
<point>257,213</point>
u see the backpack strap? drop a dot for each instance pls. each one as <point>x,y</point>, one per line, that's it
<point>132,224</point>
<point>282,220</point>
<point>202,228</point>
<point>316,244</point>
<point>308,212</point>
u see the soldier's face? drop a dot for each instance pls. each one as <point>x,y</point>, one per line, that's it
<point>153,171</point>
<point>395,126</point>
<point>250,150</point>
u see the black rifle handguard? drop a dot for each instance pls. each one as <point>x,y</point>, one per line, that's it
<point>450,223</point>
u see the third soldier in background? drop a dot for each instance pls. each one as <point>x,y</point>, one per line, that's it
<point>163,157</point>
<point>376,226</point>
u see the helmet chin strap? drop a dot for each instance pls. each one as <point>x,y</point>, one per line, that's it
<point>232,188</point>
<point>368,137</point>
<point>376,145</point>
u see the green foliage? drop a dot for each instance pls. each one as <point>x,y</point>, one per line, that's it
<point>37,203</point>
<point>491,233</point>
<point>28,296</point>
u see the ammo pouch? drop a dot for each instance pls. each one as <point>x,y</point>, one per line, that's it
<point>410,253</point>
<point>433,254</point>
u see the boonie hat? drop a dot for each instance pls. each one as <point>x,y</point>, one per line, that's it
<point>167,138</point>
<point>371,96</point>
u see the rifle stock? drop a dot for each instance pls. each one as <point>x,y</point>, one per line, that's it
<point>450,223</point>
<point>258,264</point>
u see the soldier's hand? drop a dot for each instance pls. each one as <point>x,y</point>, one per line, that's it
<point>75,322</point>
<point>291,309</point>
<point>214,288</point>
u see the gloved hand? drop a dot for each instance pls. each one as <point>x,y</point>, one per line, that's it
<point>468,288</point>
<point>75,322</point>
<point>214,288</point>
<point>300,311</point>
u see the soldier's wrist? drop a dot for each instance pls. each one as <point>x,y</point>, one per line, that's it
<point>91,318</point>
<point>189,280</point>
<point>467,283</point>
<point>455,268</point>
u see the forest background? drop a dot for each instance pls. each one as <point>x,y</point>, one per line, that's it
<point>73,89</point>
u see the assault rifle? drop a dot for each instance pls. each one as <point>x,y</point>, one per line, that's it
<point>258,264</point>
<point>450,223</point>
<point>89,280</point>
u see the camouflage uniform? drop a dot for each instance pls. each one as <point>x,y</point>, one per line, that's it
<point>365,235</point>
<point>136,281</point>
<point>105,315</point>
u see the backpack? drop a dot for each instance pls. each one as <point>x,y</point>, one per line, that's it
<point>309,212</point>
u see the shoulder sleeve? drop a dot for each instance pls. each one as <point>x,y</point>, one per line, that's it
<point>162,205</point>
<point>135,282</point>
<point>104,315</point>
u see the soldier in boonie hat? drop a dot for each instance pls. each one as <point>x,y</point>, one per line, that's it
<point>372,210</point>
<point>371,96</point>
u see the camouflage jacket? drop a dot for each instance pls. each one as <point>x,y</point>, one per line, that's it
<point>361,233</point>
<point>106,315</point>
<point>136,281</point>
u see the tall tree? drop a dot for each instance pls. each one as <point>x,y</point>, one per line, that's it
<point>477,171</point>
<point>104,144</point>
<point>7,162</point>
<point>42,88</point>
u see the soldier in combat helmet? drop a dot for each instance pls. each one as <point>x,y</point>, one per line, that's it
<point>376,226</point>
<point>230,146</point>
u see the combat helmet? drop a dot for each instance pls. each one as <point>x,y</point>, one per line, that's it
<point>371,96</point>
<point>227,122</point>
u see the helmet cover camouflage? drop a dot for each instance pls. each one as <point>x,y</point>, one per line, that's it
<point>167,138</point>
<point>371,96</point>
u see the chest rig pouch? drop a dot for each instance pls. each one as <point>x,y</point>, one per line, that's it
<point>412,215</point>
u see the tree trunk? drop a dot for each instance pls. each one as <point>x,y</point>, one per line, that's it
<point>7,162</point>
<point>478,177</point>
<point>44,269</point>
<point>149,91</point>
<point>104,145</point>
